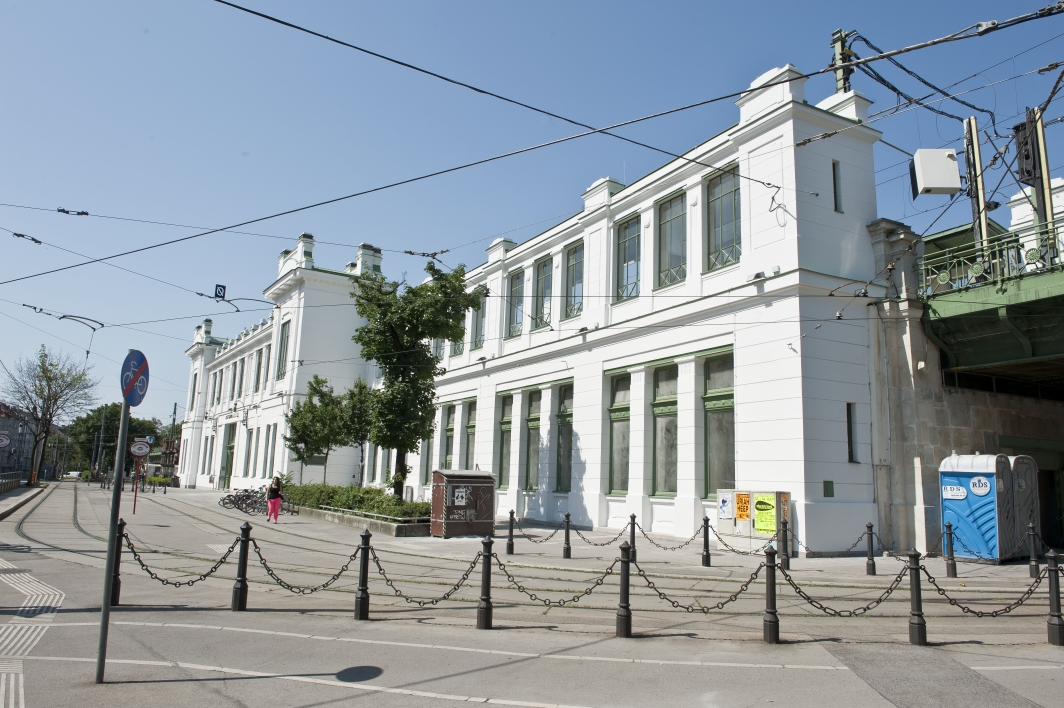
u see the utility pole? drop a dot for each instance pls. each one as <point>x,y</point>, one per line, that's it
<point>1033,167</point>
<point>976,190</point>
<point>842,55</point>
<point>66,445</point>
<point>99,456</point>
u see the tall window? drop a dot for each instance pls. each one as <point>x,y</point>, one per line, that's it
<point>372,463</point>
<point>516,305</point>
<point>240,378</point>
<point>273,448</point>
<point>851,432</point>
<point>206,454</point>
<point>628,235</point>
<point>249,443</point>
<point>255,454</point>
<point>719,404</point>
<point>470,434</point>
<point>574,281</point>
<point>620,404</point>
<point>282,350</point>
<point>541,303</point>
<point>448,439</point>
<point>265,451</point>
<point>437,348</point>
<point>258,371</point>
<point>479,318</point>
<point>214,388</point>
<point>232,380</point>
<point>672,241</point>
<point>722,202</point>
<point>457,347</point>
<point>192,393</point>
<point>266,366</point>
<point>836,185</point>
<point>505,437</point>
<point>665,449</point>
<point>426,462</point>
<point>532,424</point>
<point>564,482</point>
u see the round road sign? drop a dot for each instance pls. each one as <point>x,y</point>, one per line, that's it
<point>139,449</point>
<point>5,440</point>
<point>134,378</point>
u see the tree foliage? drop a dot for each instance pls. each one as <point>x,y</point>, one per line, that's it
<point>49,389</point>
<point>317,425</point>
<point>401,321</point>
<point>85,429</point>
<point>359,404</point>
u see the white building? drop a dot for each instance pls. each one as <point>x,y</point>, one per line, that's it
<point>241,387</point>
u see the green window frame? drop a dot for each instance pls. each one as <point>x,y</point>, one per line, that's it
<point>438,348</point>
<point>515,311</point>
<point>533,440</point>
<point>282,350</point>
<point>718,402</point>
<point>506,407</point>
<point>448,437</point>
<point>426,462</point>
<point>723,232</point>
<point>240,378</point>
<point>564,479</point>
<point>574,281</point>
<point>672,241</point>
<point>629,234</point>
<point>666,419</point>
<point>457,347</point>
<point>258,371</point>
<point>471,434</point>
<point>266,366</point>
<point>479,318</point>
<point>620,429</point>
<point>544,272</point>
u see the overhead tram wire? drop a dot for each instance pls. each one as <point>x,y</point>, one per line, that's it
<point>967,33</point>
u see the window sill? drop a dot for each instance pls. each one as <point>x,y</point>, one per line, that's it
<point>721,269</point>
<point>541,328</point>
<point>625,301</point>
<point>660,288</point>
<point>663,495</point>
<point>618,494</point>
<point>564,492</point>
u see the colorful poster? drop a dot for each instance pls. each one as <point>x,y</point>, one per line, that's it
<point>725,505</point>
<point>765,513</point>
<point>742,507</point>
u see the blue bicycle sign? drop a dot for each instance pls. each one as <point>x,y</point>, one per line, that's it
<point>134,378</point>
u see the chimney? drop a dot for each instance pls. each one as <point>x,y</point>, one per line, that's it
<point>498,248</point>
<point>305,251</point>
<point>600,192</point>
<point>207,324</point>
<point>368,261</point>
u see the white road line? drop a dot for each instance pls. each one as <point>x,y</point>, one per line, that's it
<point>1015,668</point>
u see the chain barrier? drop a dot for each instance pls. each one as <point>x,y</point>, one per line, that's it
<point>607,543</point>
<point>992,613</point>
<point>555,603</point>
<point>857,611</point>
<point>904,557</point>
<point>178,583</point>
<point>414,600</point>
<point>670,548</point>
<point>518,522</point>
<point>755,552</point>
<point>705,609</point>
<point>298,589</point>
<point>1012,554</point>
<point>880,541</point>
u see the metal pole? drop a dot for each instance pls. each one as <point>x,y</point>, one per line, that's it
<point>240,587</point>
<point>784,544</point>
<point>484,607</point>
<point>631,539</point>
<point>362,598</point>
<point>951,562</point>
<point>870,563</point>
<point>917,625</point>
<point>510,537</point>
<point>109,568</point>
<point>1032,539</point>
<point>99,454</point>
<point>624,609</point>
<point>136,474</point>
<point>116,580</point>
<point>1055,623</point>
<point>706,560</point>
<point>567,550</point>
<point>771,620</point>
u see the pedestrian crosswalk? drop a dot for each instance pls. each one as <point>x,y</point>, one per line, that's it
<point>24,630</point>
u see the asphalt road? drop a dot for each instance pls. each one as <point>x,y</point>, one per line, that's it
<point>182,646</point>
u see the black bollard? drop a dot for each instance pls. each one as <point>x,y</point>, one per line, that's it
<point>917,625</point>
<point>484,607</point>
<point>1055,623</point>
<point>567,550</point>
<point>771,620</point>
<point>624,609</point>
<point>706,560</point>
<point>510,538</point>
<point>116,582</point>
<point>240,587</point>
<point>784,542</point>
<point>362,598</point>
<point>870,563</point>
<point>951,562</point>
<point>631,539</point>
<point>1032,539</point>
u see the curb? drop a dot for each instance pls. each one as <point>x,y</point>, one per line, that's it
<point>21,503</point>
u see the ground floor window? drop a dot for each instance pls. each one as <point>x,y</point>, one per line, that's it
<point>532,474</point>
<point>619,455</point>
<point>719,424</point>
<point>565,454</point>
<point>665,454</point>
<point>426,462</point>
<point>503,475</point>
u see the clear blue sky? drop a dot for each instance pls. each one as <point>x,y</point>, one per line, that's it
<point>194,113</point>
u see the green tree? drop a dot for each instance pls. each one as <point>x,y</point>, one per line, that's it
<point>85,429</point>
<point>49,388</point>
<point>359,403</point>
<point>317,425</point>
<point>401,320</point>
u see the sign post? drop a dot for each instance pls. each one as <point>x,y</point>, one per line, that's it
<point>134,384</point>
<point>139,449</point>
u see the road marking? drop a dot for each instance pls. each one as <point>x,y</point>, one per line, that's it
<point>1015,668</point>
<point>218,548</point>
<point>24,630</point>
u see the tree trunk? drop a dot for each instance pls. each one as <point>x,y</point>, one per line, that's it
<point>361,462</point>
<point>399,475</point>
<point>325,467</point>
<point>37,460</point>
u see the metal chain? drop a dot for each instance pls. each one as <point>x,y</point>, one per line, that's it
<point>607,543</point>
<point>882,543</point>
<point>414,600</point>
<point>178,583</point>
<point>755,552</point>
<point>668,548</point>
<point>993,613</point>
<point>534,540</point>
<point>1011,554</point>
<point>904,557</point>
<point>556,603</point>
<point>705,609</point>
<point>856,612</point>
<point>300,590</point>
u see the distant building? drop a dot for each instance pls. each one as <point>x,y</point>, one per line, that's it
<point>18,455</point>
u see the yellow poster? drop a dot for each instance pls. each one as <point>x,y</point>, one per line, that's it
<point>765,513</point>
<point>742,507</point>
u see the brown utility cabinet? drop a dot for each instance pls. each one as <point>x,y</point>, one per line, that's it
<point>463,503</point>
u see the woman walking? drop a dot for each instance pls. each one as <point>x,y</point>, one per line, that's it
<point>273,500</point>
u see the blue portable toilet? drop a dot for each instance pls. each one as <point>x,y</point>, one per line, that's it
<point>989,499</point>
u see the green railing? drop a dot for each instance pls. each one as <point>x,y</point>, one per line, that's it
<point>1010,255</point>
